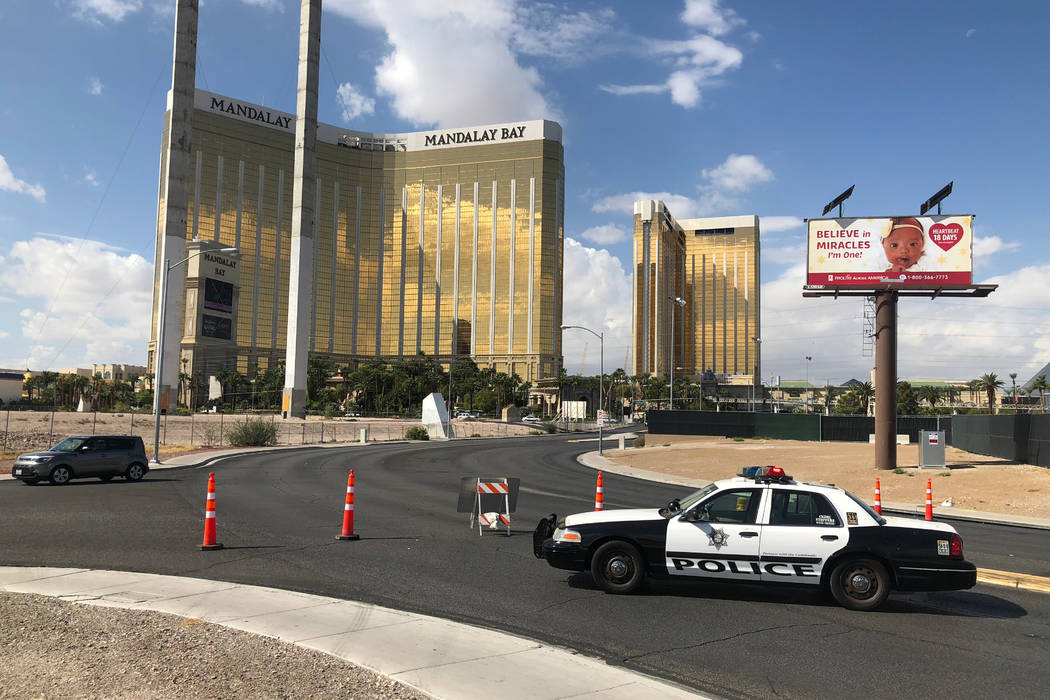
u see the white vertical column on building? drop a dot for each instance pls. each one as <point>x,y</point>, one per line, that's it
<point>419,274</point>
<point>692,307</point>
<point>714,312</point>
<point>736,316</point>
<point>725,310</point>
<point>647,336</point>
<point>703,312</point>
<point>313,286</point>
<point>240,205</point>
<point>437,272</point>
<point>455,280</point>
<point>335,260</point>
<point>559,261</point>
<point>357,269</point>
<point>198,167</point>
<point>747,325</point>
<point>277,259</point>
<point>379,278</point>
<point>258,246</point>
<point>404,260</point>
<point>492,278</point>
<point>218,199</point>
<point>474,280</point>
<point>510,272</point>
<point>532,255</point>
<point>661,305</point>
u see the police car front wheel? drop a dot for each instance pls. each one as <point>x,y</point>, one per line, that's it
<point>860,584</point>
<point>617,567</point>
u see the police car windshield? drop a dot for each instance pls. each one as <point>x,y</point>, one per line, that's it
<point>693,498</point>
<point>867,509</point>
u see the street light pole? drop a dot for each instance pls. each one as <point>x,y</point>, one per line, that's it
<point>601,381</point>
<point>158,378</point>
<point>680,302</point>
<point>758,372</point>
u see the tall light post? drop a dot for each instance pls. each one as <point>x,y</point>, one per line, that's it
<point>679,302</point>
<point>601,379</point>
<point>758,367</point>
<point>158,382</point>
<point>808,359</point>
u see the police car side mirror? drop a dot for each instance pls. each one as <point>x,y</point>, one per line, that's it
<point>691,516</point>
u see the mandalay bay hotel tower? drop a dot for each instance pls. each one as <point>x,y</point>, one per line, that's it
<point>445,242</point>
<point>696,295</point>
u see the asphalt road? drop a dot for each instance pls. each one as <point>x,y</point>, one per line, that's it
<point>278,515</point>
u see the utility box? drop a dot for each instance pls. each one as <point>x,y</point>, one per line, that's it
<point>931,449</point>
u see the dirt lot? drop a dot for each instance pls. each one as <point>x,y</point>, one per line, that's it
<point>973,482</point>
<point>24,431</point>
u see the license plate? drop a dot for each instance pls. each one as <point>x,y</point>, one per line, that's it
<point>942,547</point>
<point>18,472</point>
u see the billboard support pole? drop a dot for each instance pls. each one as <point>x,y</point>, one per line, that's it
<point>886,379</point>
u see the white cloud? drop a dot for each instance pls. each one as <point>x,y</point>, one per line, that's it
<point>451,65</point>
<point>784,255</point>
<point>713,198</point>
<point>738,173</point>
<point>95,306</point>
<point>9,182</point>
<point>544,29</point>
<point>4,334</point>
<point>956,339</point>
<point>95,86</point>
<point>597,294</point>
<point>970,33</point>
<point>266,4</point>
<point>989,245</point>
<point>95,11</point>
<point>353,103</point>
<point>606,234</point>
<point>696,60</point>
<point>707,16</point>
<point>773,224</point>
<point>91,178</point>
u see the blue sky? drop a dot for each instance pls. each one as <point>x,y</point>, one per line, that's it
<point>718,108</point>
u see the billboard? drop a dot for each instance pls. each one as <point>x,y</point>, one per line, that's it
<point>905,251</point>
<point>216,327</point>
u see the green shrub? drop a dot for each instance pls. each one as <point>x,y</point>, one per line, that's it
<point>254,432</point>
<point>738,439</point>
<point>639,441</point>
<point>180,411</point>
<point>550,428</point>
<point>417,432</point>
<point>898,470</point>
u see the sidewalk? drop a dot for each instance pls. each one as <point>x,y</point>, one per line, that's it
<point>442,658</point>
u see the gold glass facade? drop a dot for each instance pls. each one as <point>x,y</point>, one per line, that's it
<point>711,264</point>
<point>448,251</point>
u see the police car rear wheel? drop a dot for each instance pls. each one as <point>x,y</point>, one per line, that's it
<point>860,584</point>
<point>617,567</point>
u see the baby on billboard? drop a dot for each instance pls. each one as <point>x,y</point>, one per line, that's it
<point>904,244</point>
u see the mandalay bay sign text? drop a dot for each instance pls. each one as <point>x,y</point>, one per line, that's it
<point>908,251</point>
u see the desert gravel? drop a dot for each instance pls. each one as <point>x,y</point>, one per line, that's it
<point>50,648</point>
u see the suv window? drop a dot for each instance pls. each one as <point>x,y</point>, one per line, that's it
<point>120,443</point>
<point>739,506</point>
<point>802,508</point>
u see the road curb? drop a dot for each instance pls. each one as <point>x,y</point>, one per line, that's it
<point>1023,582</point>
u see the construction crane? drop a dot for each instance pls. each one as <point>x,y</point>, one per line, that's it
<point>583,361</point>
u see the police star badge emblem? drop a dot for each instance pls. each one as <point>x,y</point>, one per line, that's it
<point>718,538</point>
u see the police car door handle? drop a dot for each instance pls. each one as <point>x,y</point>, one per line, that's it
<point>829,538</point>
<point>749,534</point>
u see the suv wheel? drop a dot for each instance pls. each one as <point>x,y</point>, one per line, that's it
<point>617,567</point>
<point>135,472</point>
<point>860,584</point>
<point>60,475</point>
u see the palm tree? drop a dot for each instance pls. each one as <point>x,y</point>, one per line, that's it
<point>864,391</point>
<point>990,383</point>
<point>1041,385</point>
<point>930,394</point>
<point>1013,382</point>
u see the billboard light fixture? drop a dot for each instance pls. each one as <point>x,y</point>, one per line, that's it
<point>837,202</point>
<point>935,200</point>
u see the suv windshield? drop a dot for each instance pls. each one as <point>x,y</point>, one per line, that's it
<point>690,500</point>
<point>68,445</point>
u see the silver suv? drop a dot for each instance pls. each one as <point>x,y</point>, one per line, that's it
<point>82,456</point>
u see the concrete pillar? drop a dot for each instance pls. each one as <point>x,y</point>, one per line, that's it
<point>293,403</point>
<point>886,380</point>
<point>171,215</point>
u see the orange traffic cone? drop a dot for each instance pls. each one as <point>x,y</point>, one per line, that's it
<point>209,516</point>
<point>878,497</point>
<point>599,494</point>
<point>348,512</point>
<point>929,500</point>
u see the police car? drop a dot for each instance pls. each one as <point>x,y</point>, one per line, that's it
<point>761,526</point>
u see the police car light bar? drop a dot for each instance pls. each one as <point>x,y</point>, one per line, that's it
<point>766,473</point>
